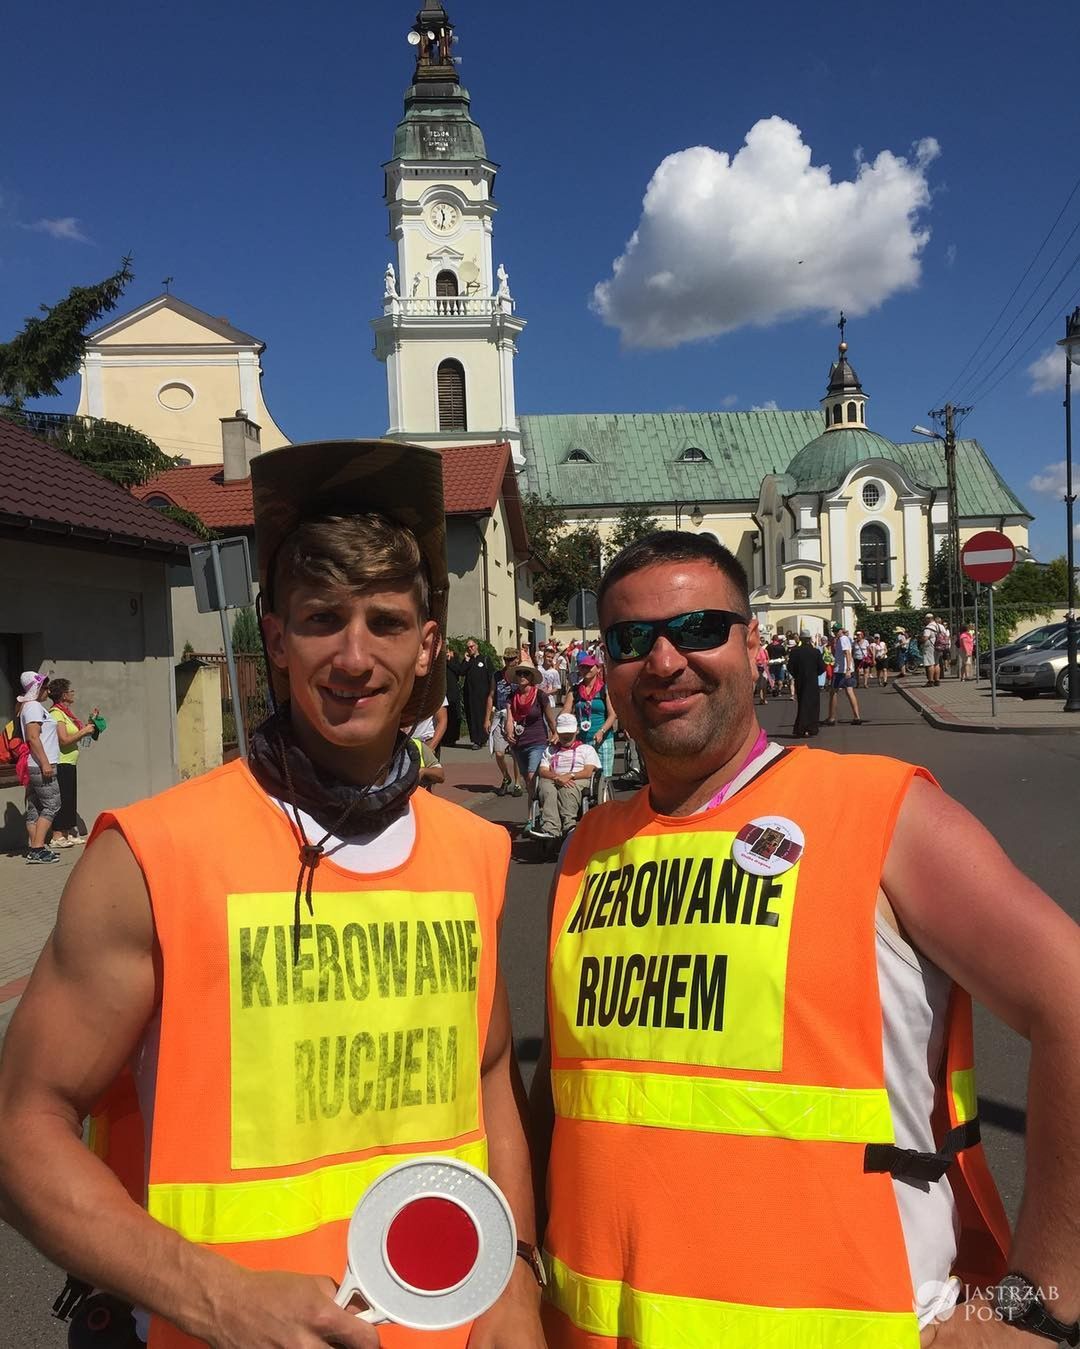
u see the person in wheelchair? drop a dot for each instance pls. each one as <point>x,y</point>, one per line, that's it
<point>565,773</point>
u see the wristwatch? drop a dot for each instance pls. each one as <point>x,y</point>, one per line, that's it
<point>532,1257</point>
<point>1019,1303</point>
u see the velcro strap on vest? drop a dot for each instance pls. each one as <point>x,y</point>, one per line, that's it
<point>907,1164</point>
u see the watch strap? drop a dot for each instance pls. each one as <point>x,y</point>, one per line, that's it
<point>532,1257</point>
<point>1037,1319</point>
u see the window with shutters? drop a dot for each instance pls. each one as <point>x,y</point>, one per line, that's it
<point>451,396</point>
<point>874,555</point>
<point>446,284</point>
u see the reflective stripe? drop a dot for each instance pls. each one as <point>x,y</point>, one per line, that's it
<point>659,1321</point>
<point>965,1098</point>
<point>718,1105</point>
<point>262,1210</point>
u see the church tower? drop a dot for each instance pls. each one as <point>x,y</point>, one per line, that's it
<point>447,332</point>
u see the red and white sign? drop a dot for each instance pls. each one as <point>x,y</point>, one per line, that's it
<point>431,1245</point>
<point>988,556</point>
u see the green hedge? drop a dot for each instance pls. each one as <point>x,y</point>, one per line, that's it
<point>1008,618</point>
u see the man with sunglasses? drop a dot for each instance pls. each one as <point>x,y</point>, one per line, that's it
<point>756,1095</point>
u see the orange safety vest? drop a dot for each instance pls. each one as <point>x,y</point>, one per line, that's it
<point>719,1170</point>
<point>284,1090</point>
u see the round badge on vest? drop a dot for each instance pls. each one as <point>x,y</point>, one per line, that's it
<point>431,1245</point>
<point>768,846</point>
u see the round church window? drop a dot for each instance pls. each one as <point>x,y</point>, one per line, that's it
<point>176,396</point>
<point>871,495</point>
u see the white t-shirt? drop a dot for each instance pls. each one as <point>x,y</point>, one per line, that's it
<point>571,759</point>
<point>842,652</point>
<point>31,713</point>
<point>425,730</point>
<point>552,680</point>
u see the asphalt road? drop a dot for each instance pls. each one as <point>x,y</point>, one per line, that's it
<point>1022,788</point>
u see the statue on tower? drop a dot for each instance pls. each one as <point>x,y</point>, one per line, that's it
<point>503,293</point>
<point>390,292</point>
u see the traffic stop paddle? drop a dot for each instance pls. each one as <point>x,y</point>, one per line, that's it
<point>431,1245</point>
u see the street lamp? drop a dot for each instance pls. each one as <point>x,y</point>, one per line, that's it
<point>1071,343</point>
<point>696,515</point>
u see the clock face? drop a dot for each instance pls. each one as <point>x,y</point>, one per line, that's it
<point>443,218</point>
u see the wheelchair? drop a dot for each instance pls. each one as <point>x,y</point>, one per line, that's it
<point>596,791</point>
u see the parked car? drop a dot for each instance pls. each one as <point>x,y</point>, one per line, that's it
<point>1044,670</point>
<point>1028,641</point>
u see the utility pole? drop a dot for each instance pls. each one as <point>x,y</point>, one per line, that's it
<point>948,414</point>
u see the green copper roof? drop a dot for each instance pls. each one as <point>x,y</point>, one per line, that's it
<point>637,457</point>
<point>824,463</point>
<point>980,488</point>
<point>437,125</point>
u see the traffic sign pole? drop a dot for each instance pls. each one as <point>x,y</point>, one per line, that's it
<point>993,657</point>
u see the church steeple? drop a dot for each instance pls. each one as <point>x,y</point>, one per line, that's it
<point>844,403</point>
<point>437,123</point>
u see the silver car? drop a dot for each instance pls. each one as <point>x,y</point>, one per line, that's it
<point>1044,670</point>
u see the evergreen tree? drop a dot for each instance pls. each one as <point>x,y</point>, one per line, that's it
<point>903,595</point>
<point>49,350</point>
<point>245,633</point>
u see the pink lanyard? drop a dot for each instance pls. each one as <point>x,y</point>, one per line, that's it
<point>761,744</point>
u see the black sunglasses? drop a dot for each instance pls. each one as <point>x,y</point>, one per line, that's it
<point>699,630</point>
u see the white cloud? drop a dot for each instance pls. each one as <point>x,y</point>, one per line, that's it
<point>765,235</point>
<point>950,255</point>
<point>771,405</point>
<point>1051,479</point>
<point>65,227</point>
<point>729,400</point>
<point>1048,372</point>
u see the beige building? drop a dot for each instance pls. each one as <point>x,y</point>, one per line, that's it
<point>173,371</point>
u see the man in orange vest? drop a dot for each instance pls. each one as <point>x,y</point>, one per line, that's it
<point>757,1086</point>
<point>294,956</point>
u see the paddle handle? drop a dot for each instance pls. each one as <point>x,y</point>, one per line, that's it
<point>350,1288</point>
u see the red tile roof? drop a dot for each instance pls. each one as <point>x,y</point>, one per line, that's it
<point>202,489</point>
<point>46,491</point>
<point>474,477</point>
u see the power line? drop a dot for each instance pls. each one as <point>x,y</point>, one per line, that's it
<point>1005,306</point>
<point>1033,344</point>
<point>979,375</point>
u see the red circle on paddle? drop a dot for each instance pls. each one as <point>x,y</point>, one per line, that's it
<point>432,1244</point>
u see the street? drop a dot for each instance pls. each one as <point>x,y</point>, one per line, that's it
<point>1022,788</point>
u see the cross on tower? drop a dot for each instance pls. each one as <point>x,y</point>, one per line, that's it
<point>842,325</point>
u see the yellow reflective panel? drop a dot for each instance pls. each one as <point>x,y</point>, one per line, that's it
<point>369,1037</point>
<point>262,1210</point>
<point>658,1321</point>
<point>965,1097</point>
<point>672,953</point>
<point>716,1105</point>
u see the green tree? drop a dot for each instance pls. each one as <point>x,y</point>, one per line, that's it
<point>1029,583</point>
<point>119,453</point>
<point>49,350</point>
<point>568,556</point>
<point>936,589</point>
<point>634,523</point>
<point>903,595</point>
<point>245,633</point>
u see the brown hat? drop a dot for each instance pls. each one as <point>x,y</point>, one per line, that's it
<point>402,482</point>
<point>511,653</point>
<point>534,674</point>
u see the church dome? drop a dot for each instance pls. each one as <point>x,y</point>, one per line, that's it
<point>826,461</point>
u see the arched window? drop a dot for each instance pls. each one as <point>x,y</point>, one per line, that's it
<point>862,414</point>
<point>578,457</point>
<point>694,455</point>
<point>852,413</point>
<point>452,397</point>
<point>874,555</point>
<point>837,413</point>
<point>446,284</point>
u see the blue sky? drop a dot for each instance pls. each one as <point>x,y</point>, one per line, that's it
<point>238,148</point>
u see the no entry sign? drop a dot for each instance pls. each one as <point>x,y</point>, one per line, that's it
<point>988,556</point>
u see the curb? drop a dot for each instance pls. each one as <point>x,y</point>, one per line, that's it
<point>945,721</point>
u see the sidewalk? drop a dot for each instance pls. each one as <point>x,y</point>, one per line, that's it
<point>29,896</point>
<point>956,706</point>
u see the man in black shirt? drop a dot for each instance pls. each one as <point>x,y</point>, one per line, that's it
<point>804,664</point>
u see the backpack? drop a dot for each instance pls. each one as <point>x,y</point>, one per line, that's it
<point>942,640</point>
<point>10,743</point>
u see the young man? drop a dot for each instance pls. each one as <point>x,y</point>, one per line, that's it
<point>296,955</point>
<point>843,675</point>
<point>564,770</point>
<point>760,1067</point>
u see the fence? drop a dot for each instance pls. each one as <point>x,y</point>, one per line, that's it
<point>251,695</point>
